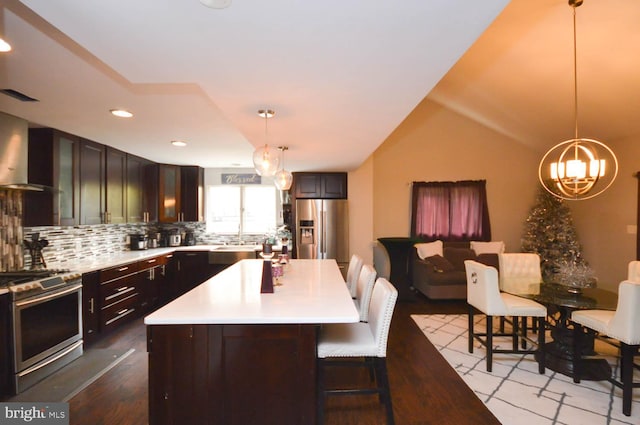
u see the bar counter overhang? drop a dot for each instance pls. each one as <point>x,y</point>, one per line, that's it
<point>224,353</point>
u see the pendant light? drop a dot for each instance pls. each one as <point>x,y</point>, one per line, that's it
<point>283,178</point>
<point>265,160</point>
<point>577,168</point>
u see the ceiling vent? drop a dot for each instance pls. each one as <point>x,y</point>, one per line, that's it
<point>17,95</point>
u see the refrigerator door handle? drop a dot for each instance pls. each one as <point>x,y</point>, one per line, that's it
<point>323,243</point>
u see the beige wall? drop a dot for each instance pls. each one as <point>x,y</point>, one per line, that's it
<point>361,211</point>
<point>606,223</point>
<point>436,144</point>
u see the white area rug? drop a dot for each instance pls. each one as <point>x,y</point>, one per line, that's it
<point>515,392</point>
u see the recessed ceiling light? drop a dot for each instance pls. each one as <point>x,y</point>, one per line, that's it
<point>4,46</point>
<point>121,113</point>
<point>179,143</point>
<point>216,4</point>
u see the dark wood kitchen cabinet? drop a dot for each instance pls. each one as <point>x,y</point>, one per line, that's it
<point>119,295</point>
<point>215,371</point>
<point>168,193</point>
<point>90,307</point>
<point>192,193</point>
<point>181,193</point>
<point>192,268</point>
<point>92,182</point>
<point>5,344</point>
<point>153,282</point>
<point>116,186</point>
<point>53,162</point>
<point>320,185</point>
<point>141,190</point>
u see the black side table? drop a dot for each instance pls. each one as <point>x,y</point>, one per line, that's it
<point>399,250</point>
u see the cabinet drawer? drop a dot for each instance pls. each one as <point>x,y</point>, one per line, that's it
<point>118,313</point>
<point>118,271</point>
<point>117,290</point>
<point>152,262</point>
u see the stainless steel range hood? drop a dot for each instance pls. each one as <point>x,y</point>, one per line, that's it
<point>14,154</point>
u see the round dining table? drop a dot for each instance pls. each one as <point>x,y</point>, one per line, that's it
<point>560,303</point>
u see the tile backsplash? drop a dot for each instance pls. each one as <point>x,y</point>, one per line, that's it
<point>11,250</point>
<point>84,242</point>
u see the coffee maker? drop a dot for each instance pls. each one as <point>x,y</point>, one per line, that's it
<point>137,241</point>
<point>189,238</point>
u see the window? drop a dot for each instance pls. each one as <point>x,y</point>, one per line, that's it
<point>450,211</point>
<point>241,209</point>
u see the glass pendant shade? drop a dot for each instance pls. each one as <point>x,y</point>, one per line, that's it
<point>283,179</point>
<point>265,161</point>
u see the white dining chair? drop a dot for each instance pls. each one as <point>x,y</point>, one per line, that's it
<point>381,260</point>
<point>364,288</point>
<point>634,271</point>
<point>620,325</point>
<point>355,265</point>
<point>519,272</point>
<point>483,294</point>
<point>359,345</point>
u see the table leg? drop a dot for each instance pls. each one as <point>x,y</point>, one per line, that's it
<point>559,352</point>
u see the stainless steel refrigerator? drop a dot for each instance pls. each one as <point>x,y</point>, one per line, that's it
<point>322,230</point>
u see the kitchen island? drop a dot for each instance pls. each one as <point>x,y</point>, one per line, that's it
<point>224,353</point>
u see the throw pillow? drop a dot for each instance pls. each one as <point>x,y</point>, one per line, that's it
<point>456,256</point>
<point>496,247</point>
<point>440,264</point>
<point>429,249</point>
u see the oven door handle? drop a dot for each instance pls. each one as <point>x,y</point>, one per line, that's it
<point>49,296</point>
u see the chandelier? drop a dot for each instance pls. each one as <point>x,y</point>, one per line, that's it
<point>283,178</point>
<point>577,168</point>
<point>265,160</point>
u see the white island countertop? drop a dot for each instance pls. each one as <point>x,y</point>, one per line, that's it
<point>312,291</point>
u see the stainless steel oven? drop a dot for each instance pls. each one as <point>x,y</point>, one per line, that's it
<point>46,326</point>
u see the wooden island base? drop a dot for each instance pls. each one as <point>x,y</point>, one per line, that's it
<point>232,374</point>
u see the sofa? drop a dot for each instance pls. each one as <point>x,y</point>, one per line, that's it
<point>438,267</point>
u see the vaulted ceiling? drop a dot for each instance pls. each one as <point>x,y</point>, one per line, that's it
<point>341,76</point>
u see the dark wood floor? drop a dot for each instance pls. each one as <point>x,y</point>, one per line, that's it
<point>425,390</point>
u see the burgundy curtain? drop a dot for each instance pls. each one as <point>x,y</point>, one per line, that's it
<point>450,211</point>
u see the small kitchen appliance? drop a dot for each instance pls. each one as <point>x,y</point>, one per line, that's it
<point>189,238</point>
<point>137,241</point>
<point>171,237</point>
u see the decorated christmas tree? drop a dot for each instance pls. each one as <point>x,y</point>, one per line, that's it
<point>550,233</point>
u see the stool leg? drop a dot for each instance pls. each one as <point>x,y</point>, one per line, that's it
<point>577,352</point>
<point>470,328</point>
<point>383,384</point>
<point>539,321</point>
<point>320,391</point>
<point>523,341</point>
<point>515,333</point>
<point>489,342</point>
<point>627,376</point>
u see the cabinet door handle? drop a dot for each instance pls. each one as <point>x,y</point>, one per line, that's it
<point>122,312</point>
<point>91,306</point>
<point>121,269</point>
<point>124,288</point>
<point>152,261</point>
